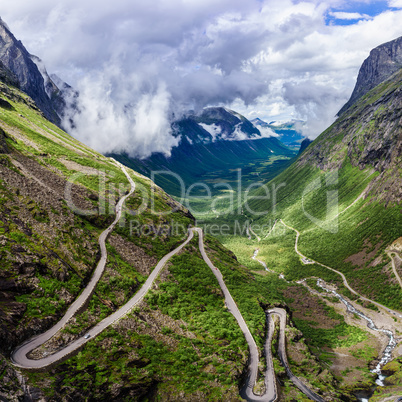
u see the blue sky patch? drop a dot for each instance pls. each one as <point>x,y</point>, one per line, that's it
<point>352,12</point>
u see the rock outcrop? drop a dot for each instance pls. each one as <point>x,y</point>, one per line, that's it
<point>21,69</point>
<point>16,58</point>
<point>7,76</point>
<point>3,144</point>
<point>369,136</point>
<point>384,61</point>
<point>305,143</point>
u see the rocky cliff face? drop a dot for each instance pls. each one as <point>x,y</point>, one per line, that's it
<point>62,96</point>
<point>19,68</point>
<point>3,144</point>
<point>369,136</point>
<point>383,62</point>
<point>368,132</point>
<point>7,76</point>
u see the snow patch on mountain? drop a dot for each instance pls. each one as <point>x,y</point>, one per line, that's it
<point>217,133</point>
<point>214,129</point>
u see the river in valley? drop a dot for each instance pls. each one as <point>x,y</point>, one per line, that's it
<point>387,354</point>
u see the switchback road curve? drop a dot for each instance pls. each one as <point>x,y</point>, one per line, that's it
<point>19,356</point>
<point>307,260</point>
<point>270,380</point>
<point>282,354</point>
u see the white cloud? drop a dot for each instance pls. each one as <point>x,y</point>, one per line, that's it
<point>107,125</point>
<point>238,134</point>
<point>395,3</point>
<point>340,15</point>
<point>267,132</point>
<point>136,63</point>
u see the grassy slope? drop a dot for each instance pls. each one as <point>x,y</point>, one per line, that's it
<point>50,286</point>
<point>353,242</point>
<point>157,360</point>
<point>180,343</point>
<point>369,225</point>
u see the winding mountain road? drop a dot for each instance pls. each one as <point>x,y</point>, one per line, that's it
<point>270,381</point>
<point>19,356</point>
<point>393,255</point>
<point>281,349</point>
<point>21,360</point>
<point>255,234</point>
<point>271,393</point>
<point>283,358</point>
<point>307,260</point>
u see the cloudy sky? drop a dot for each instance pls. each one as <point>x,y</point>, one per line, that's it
<point>139,64</point>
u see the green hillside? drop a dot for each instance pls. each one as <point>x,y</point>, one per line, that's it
<point>208,159</point>
<point>48,254</point>
<point>180,342</point>
<point>343,196</point>
<point>359,154</point>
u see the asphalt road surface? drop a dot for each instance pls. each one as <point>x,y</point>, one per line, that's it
<point>247,390</point>
<point>345,282</point>
<point>283,358</point>
<point>19,357</point>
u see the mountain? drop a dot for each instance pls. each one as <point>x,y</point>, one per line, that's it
<point>7,76</point>
<point>359,157</point>
<point>56,197</point>
<point>383,61</point>
<point>30,75</point>
<point>62,96</point>
<point>287,132</point>
<point>216,124</point>
<point>58,200</point>
<point>218,141</point>
<point>367,136</point>
<point>304,144</point>
<point>335,216</point>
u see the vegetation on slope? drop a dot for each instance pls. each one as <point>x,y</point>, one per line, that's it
<point>180,342</point>
<point>343,196</point>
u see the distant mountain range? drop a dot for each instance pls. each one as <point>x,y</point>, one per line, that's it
<point>287,132</point>
<point>215,124</point>
<point>215,140</point>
